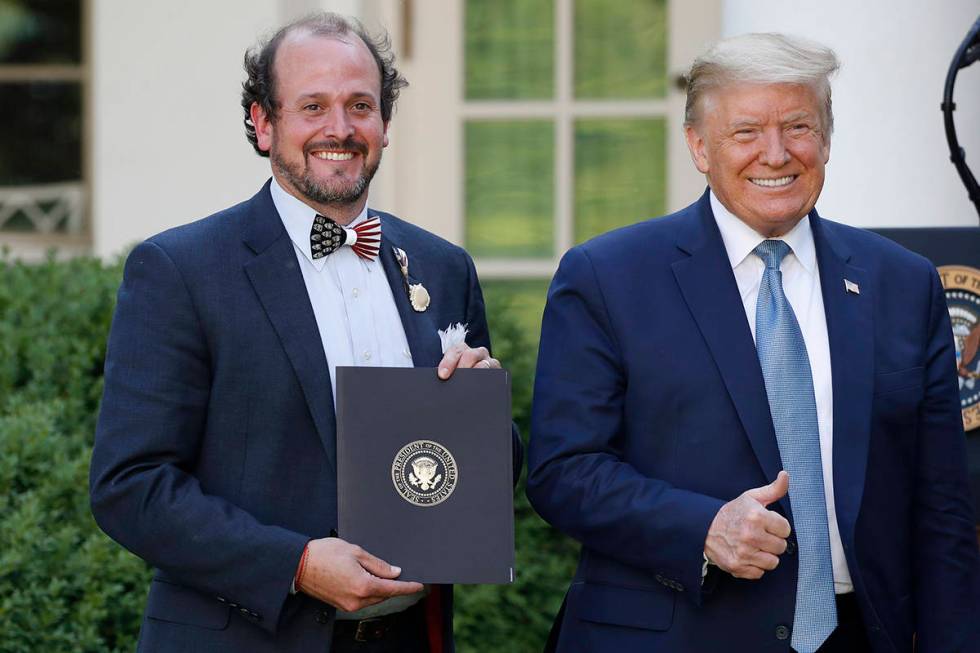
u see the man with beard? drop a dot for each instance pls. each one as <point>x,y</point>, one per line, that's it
<point>215,448</point>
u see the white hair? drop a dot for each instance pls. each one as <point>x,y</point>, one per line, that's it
<point>762,58</point>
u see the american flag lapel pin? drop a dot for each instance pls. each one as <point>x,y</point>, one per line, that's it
<point>851,287</point>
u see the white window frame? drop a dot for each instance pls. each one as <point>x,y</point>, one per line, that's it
<point>72,198</point>
<point>423,175</point>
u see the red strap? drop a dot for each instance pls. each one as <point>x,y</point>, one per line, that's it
<point>433,618</point>
<point>298,578</point>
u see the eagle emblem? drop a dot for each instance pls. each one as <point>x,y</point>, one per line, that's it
<point>967,355</point>
<point>962,287</point>
<point>424,473</point>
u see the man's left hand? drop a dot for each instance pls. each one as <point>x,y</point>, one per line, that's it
<point>462,356</point>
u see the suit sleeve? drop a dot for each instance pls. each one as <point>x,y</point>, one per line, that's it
<point>577,478</point>
<point>479,336</point>
<point>152,419</point>
<point>947,588</point>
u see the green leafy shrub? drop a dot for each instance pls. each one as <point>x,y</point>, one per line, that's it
<point>64,585</point>
<point>54,318</point>
<point>517,617</point>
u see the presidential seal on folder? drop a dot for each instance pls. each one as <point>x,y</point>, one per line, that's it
<point>424,471</point>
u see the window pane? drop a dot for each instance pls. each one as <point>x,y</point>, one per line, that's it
<point>510,49</point>
<point>40,31</point>
<point>620,173</point>
<point>510,188</point>
<point>620,49</point>
<point>40,133</point>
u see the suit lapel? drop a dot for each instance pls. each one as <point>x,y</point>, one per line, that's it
<point>420,330</point>
<point>850,331</point>
<point>708,285</point>
<point>278,282</point>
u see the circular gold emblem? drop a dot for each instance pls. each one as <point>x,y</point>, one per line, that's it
<point>962,285</point>
<point>424,473</point>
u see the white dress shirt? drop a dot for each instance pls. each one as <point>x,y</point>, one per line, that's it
<point>357,318</point>
<point>801,284</point>
<point>352,301</point>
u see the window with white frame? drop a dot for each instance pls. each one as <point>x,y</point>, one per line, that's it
<point>533,125</point>
<point>42,117</point>
<point>564,132</point>
<point>564,125</point>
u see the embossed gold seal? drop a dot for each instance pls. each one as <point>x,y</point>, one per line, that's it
<point>424,473</point>
<point>962,286</point>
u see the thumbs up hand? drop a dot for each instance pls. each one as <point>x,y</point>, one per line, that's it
<point>745,538</point>
<point>771,493</point>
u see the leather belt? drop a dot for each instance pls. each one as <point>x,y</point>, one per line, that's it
<point>376,628</point>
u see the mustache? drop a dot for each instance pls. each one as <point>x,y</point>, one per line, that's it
<point>348,143</point>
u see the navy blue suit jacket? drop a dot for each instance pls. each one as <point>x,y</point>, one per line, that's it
<point>650,412</point>
<point>215,449</point>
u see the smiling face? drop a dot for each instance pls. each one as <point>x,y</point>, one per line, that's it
<point>763,148</point>
<point>326,140</point>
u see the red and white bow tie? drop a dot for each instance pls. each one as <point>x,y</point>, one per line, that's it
<point>327,236</point>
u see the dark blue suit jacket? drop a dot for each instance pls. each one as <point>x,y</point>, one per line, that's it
<point>215,453</point>
<point>650,412</point>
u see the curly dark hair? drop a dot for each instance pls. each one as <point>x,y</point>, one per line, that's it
<point>260,85</point>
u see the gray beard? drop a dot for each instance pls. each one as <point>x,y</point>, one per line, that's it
<point>319,193</point>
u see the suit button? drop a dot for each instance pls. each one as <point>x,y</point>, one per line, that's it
<point>782,632</point>
<point>790,547</point>
<point>322,617</point>
<point>679,587</point>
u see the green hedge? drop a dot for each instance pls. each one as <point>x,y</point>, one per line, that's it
<point>64,586</point>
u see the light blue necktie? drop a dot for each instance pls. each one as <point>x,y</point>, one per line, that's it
<point>789,385</point>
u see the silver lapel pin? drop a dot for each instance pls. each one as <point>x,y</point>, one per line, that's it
<point>418,296</point>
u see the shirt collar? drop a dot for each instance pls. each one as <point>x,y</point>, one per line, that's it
<point>740,239</point>
<point>297,217</point>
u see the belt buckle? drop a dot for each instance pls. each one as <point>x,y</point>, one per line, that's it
<point>369,629</point>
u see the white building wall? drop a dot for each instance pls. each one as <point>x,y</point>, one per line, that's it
<point>889,162</point>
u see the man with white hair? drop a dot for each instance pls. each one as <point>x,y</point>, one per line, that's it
<point>747,414</point>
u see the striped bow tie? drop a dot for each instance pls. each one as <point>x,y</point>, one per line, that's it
<point>327,236</point>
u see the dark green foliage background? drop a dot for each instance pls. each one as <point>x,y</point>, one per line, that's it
<point>64,586</point>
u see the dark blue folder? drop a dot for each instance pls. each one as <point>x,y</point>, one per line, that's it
<point>424,471</point>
